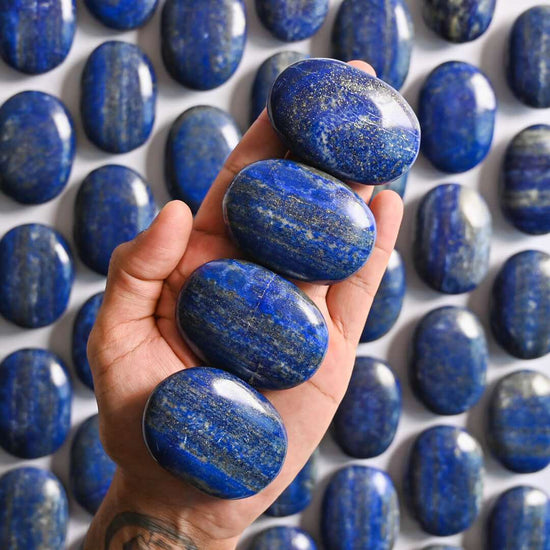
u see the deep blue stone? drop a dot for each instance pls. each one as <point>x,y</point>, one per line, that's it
<point>34,512</point>
<point>249,321</point>
<point>457,110</point>
<point>36,275</point>
<point>399,186</point>
<point>118,97</point>
<point>298,221</point>
<point>444,482</point>
<point>380,32</point>
<point>360,510</point>
<point>367,419</point>
<point>199,143</point>
<point>122,14</point>
<point>37,147</point>
<point>211,429</point>
<point>520,305</point>
<point>344,121</point>
<point>203,40</point>
<point>452,240</point>
<point>113,205</point>
<point>282,538</point>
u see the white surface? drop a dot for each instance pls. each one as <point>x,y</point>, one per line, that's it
<point>486,52</point>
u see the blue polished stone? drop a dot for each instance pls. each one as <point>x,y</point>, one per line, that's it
<point>344,121</point>
<point>520,305</point>
<point>444,480</point>
<point>282,537</point>
<point>360,510</point>
<point>298,221</point>
<point>112,206</point>
<point>379,32</point>
<point>36,275</point>
<point>203,40</point>
<point>249,321</point>
<point>399,186</point>
<point>122,15</point>
<point>457,110</point>
<point>37,147</point>
<point>118,97</point>
<point>34,511</point>
<point>211,429</point>
<point>452,240</point>
<point>199,143</point>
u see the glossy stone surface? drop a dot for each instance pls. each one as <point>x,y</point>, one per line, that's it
<point>525,189</point>
<point>118,97</point>
<point>199,143</point>
<point>36,275</point>
<point>452,241</point>
<point>251,322</point>
<point>209,428</point>
<point>122,15</point>
<point>444,482</point>
<point>203,40</point>
<point>520,305</point>
<point>360,510</point>
<point>34,512</point>
<point>344,121</point>
<point>298,221</point>
<point>380,32</point>
<point>399,186</point>
<point>37,147</point>
<point>282,538</point>
<point>457,109</point>
<point>112,206</point>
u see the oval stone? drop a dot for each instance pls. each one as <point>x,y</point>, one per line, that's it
<point>199,143</point>
<point>380,32</point>
<point>203,40</point>
<point>252,322</point>
<point>122,15</point>
<point>344,121</point>
<point>399,186</point>
<point>298,221</point>
<point>36,275</point>
<point>118,97</point>
<point>444,481</point>
<point>37,147</point>
<point>212,430</point>
<point>457,110</point>
<point>282,537</point>
<point>520,305</point>
<point>112,206</point>
<point>34,511</point>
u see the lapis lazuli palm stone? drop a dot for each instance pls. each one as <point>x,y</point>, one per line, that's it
<point>520,305</point>
<point>379,32</point>
<point>457,110</point>
<point>344,121</point>
<point>203,40</point>
<point>399,186</point>
<point>34,511</point>
<point>444,480</point>
<point>298,221</point>
<point>36,275</point>
<point>282,537</point>
<point>212,430</point>
<point>247,320</point>
<point>122,15</point>
<point>118,97</point>
<point>199,142</point>
<point>37,147</point>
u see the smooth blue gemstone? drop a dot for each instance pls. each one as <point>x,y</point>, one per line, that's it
<point>113,205</point>
<point>520,305</point>
<point>298,221</point>
<point>380,32</point>
<point>37,147</point>
<point>360,510</point>
<point>118,97</point>
<point>212,430</point>
<point>122,15</point>
<point>282,538</point>
<point>444,482</point>
<point>344,121</point>
<point>367,419</point>
<point>249,321</point>
<point>457,110</point>
<point>36,275</point>
<point>199,143</point>
<point>34,511</point>
<point>203,40</point>
<point>399,186</point>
